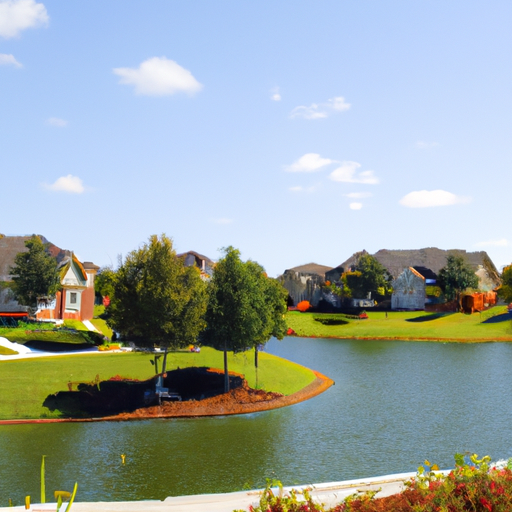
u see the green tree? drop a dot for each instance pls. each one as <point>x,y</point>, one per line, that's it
<point>104,281</point>
<point>245,307</point>
<point>35,274</point>
<point>505,290</point>
<point>374,278</point>
<point>156,299</point>
<point>272,310</point>
<point>456,276</point>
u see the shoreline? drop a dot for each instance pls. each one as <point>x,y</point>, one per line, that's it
<point>197,410</point>
<point>499,339</point>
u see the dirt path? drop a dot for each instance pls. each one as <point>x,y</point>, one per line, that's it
<point>242,400</point>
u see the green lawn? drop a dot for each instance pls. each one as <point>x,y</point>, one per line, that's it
<point>409,325</point>
<point>23,335</point>
<point>101,324</point>
<point>25,383</point>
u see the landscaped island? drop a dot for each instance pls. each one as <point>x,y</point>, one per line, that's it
<point>493,324</point>
<point>30,387</point>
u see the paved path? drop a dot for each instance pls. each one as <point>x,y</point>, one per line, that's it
<point>328,493</point>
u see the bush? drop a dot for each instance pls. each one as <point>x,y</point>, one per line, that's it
<point>303,306</point>
<point>330,320</point>
<point>473,485</point>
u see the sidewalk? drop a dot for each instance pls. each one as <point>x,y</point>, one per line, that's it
<point>329,494</point>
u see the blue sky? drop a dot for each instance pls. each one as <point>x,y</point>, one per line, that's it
<point>296,132</point>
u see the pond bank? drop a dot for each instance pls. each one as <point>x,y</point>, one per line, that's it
<point>329,494</point>
<point>242,400</point>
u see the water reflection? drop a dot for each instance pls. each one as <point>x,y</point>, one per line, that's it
<point>394,404</point>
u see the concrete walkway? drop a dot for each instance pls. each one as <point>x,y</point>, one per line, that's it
<point>330,494</point>
<point>28,353</point>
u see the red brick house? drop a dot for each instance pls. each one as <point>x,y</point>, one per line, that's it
<point>74,301</point>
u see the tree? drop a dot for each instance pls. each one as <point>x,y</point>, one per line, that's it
<point>272,310</point>
<point>156,299</point>
<point>369,277</point>
<point>245,308</point>
<point>456,276</point>
<point>104,281</point>
<point>35,274</point>
<point>505,290</point>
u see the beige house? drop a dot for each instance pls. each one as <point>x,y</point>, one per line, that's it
<point>408,290</point>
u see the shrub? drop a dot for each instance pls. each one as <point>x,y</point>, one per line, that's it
<point>330,320</point>
<point>303,306</point>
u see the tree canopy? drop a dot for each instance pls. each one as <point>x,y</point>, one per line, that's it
<point>156,299</point>
<point>245,307</point>
<point>104,281</point>
<point>505,290</point>
<point>456,276</point>
<point>35,274</point>
<point>369,277</point>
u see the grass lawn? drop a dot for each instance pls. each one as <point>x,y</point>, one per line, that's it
<point>22,335</point>
<point>101,324</point>
<point>413,325</point>
<point>4,351</point>
<point>25,383</point>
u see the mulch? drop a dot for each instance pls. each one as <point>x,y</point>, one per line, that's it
<point>242,400</point>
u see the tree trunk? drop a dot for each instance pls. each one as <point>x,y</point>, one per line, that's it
<point>256,363</point>
<point>164,364</point>
<point>226,373</point>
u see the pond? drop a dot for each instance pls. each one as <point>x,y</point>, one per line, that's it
<point>394,404</point>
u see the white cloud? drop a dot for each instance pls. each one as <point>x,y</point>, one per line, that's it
<point>421,144</point>
<point>307,190</point>
<point>8,59</point>
<point>159,76</point>
<point>276,95</point>
<point>18,15</point>
<point>71,184</point>
<point>310,162</point>
<point>56,121</point>
<point>358,195</point>
<point>346,173</point>
<point>221,221</point>
<point>320,110</point>
<point>502,242</point>
<point>355,206</point>
<point>430,198</point>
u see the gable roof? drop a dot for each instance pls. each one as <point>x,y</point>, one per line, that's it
<point>311,268</point>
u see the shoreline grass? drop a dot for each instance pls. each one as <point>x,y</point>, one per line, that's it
<point>409,325</point>
<point>25,383</point>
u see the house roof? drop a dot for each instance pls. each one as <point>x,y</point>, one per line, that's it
<point>10,246</point>
<point>311,268</point>
<point>192,257</point>
<point>425,272</point>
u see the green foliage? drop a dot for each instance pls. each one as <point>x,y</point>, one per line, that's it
<point>505,290</point>
<point>292,501</point>
<point>472,486</point>
<point>331,319</point>
<point>156,299</point>
<point>456,276</point>
<point>433,291</point>
<point>35,274</point>
<point>245,307</point>
<point>375,279</point>
<point>104,281</point>
<point>58,494</point>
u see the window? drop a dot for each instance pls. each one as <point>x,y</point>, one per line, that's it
<point>73,299</point>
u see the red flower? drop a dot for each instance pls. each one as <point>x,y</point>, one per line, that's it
<point>486,504</point>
